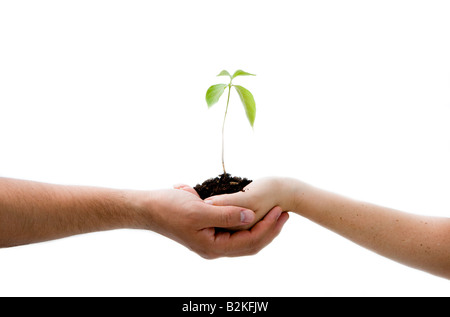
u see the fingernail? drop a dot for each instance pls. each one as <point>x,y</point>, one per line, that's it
<point>247,216</point>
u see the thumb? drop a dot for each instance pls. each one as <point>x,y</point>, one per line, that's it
<point>226,216</point>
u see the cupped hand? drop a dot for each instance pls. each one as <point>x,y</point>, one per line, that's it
<point>182,216</point>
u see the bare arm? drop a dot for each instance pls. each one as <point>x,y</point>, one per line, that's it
<point>418,241</point>
<point>32,212</point>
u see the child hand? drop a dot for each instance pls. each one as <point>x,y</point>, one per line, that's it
<point>260,196</point>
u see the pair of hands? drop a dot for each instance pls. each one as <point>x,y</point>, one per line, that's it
<point>255,217</point>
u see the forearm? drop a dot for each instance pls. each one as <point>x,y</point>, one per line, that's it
<point>33,212</point>
<point>418,241</point>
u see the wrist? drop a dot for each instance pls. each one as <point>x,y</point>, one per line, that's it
<point>140,209</point>
<point>295,193</point>
<point>285,192</point>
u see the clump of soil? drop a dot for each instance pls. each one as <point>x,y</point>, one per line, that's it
<point>222,184</point>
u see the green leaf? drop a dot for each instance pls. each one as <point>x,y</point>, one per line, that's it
<point>249,103</point>
<point>213,94</point>
<point>224,73</point>
<point>241,73</point>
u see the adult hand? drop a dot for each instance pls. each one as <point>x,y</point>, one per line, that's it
<point>34,212</point>
<point>187,219</point>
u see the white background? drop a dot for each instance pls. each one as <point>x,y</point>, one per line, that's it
<point>352,96</point>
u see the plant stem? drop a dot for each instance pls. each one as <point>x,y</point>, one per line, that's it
<point>223,129</point>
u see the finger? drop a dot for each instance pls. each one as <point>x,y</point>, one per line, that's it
<point>186,188</point>
<point>278,226</point>
<point>267,230</point>
<point>270,227</point>
<point>250,242</point>
<point>225,216</point>
<point>235,199</point>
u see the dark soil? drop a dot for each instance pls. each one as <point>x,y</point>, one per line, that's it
<point>222,184</point>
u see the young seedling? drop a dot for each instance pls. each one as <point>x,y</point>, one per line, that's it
<point>215,92</point>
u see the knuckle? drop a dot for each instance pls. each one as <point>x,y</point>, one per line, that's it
<point>255,250</point>
<point>254,247</point>
<point>209,256</point>
<point>205,250</point>
<point>206,254</point>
